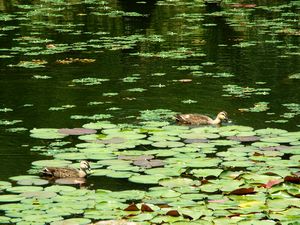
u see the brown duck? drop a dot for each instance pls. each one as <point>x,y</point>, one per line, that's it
<point>66,172</point>
<point>198,119</point>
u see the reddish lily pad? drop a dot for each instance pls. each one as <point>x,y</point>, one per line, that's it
<point>76,131</point>
<point>271,183</point>
<point>244,138</point>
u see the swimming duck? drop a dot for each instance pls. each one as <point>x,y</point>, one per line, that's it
<point>64,172</point>
<point>198,119</point>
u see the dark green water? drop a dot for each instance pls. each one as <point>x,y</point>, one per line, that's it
<point>160,45</point>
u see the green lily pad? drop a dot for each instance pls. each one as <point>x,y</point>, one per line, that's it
<point>72,221</point>
<point>39,194</point>
<point>236,128</point>
<point>50,163</point>
<point>5,220</point>
<point>178,182</point>
<point>120,174</point>
<point>23,177</point>
<point>22,189</point>
<point>60,188</point>
<point>206,172</point>
<point>199,136</point>
<point>202,162</point>
<point>265,144</point>
<point>71,156</point>
<point>279,139</point>
<point>146,179</point>
<point>11,198</point>
<point>270,131</point>
<point>4,185</point>
<point>99,125</point>
<point>236,163</point>
<point>168,144</point>
<point>167,171</point>
<point>46,133</point>
<point>34,181</point>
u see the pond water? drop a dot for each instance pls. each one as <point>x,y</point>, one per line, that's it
<point>65,64</point>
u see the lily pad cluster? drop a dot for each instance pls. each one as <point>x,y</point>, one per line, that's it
<point>244,92</point>
<point>196,174</point>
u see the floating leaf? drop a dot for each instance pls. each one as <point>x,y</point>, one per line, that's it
<point>242,191</point>
<point>46,133</point>
<point>206,172</point>
<point>178,182</point>
<point>76,131</point>
<point>11,198</point>
<point>51,163</point>
<point>146,179</point>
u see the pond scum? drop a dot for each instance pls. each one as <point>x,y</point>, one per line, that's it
<point>191,175</point>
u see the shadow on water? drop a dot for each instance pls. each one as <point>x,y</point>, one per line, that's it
<point>140,23</point>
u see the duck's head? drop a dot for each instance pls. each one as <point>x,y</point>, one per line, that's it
<point>84,165</point>
<point>223,116</point>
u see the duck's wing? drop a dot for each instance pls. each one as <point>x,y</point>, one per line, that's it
<point>59,172</point>
<point>193,118</point>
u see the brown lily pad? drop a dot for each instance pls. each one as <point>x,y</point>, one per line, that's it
<point>132,207</point>
<point>114,140</point>
<point>243,191</point>
<point>293,179</point>
<point>146,208</point>
<point>173,213</point>
<point>70,180</point>
<point>276,148</point>
<point>244,138</point>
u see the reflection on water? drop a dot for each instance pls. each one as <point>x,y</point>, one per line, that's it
<point>159,42</point>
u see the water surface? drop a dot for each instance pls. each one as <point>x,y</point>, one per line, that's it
<point>157,43</point>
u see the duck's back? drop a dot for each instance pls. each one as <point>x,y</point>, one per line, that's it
<point>193,119</point>
<point>59,172</point>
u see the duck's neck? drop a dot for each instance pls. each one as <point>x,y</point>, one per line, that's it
<point>82,172</point>
<point>216,121</point>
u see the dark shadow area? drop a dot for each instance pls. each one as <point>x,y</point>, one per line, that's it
<point>137,23</point>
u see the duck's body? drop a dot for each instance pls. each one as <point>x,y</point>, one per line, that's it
<point>198,119</point>
<point>66,172</point>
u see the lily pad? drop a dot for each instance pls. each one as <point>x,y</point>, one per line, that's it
<point>279,139</point>
<point>46,133</point>
<point>4,185</point>
<point>167,144</point>
<point>72,221</point>
<point>149,163</point>
<point>76,131</point>
<point>51,163</point>
<point>206,172</point>
<point>146,179</point>
<point>11,198</point>
<point>22,189</point>
<point>99,125</point>
<point>178,182</point>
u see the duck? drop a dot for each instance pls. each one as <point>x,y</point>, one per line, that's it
<point>67,172</point>
<point>198,119</point>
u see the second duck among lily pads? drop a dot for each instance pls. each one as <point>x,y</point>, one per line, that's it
<point>66,172</point>
<point>198,119</point>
